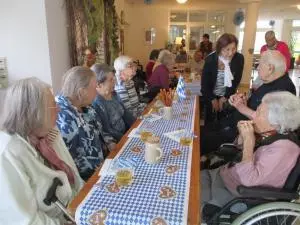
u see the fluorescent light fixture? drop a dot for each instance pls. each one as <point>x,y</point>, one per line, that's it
<point>181,1</point>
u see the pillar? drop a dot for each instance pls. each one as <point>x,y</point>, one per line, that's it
<point>249,39</point>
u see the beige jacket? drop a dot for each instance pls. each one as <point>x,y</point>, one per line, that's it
<point>25,180</point>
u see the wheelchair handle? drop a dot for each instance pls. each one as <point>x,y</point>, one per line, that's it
<point>51,194</point>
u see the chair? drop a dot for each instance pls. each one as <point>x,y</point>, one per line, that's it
<point>256,197</point>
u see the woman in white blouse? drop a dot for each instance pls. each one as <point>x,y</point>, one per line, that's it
<point>32,153</point>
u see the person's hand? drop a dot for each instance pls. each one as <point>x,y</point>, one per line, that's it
<point>215,105</point>
<point>236,99</point>
<point>222,100</point>
<point>246,131</point>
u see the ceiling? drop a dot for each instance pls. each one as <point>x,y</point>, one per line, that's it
<point>271,8</point>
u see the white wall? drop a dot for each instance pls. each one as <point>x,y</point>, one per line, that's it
<point>34,40</point>
<point>24,39</point>
<point>58,40</point>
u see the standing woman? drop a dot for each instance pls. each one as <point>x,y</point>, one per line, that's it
<point>222,74</point>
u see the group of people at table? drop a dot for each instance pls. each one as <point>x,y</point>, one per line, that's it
<point>68,136</point>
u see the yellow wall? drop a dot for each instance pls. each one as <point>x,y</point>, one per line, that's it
<point>141,18</point>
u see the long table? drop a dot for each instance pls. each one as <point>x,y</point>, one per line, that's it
<point>193,213</point>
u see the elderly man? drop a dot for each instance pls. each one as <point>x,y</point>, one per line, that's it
<point>271,71</point>
<point>274,44</point>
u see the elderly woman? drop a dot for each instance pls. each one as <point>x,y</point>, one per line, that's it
<point>115,118</point>
<point>125,89</point>
<point>263,163</point>
<point>161,74</point>
<point>221,74</point>
<point>152,59</point>
<point>78,122</point>
<point>32,154</point>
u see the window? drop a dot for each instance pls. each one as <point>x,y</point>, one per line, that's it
<point>191,25</point>
<point>296,23</point>
<point>262,27</point>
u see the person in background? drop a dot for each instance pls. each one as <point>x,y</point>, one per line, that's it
<point>116,120</point>
<point>89,57</point>
<point>182,56</point>
<point>221,74</point>
<point>152,59</point>
<point>78,122</point>
<point>205,45</point>
<point>261,165</point>
<point>161,74</point>
<point>32,154</point>
<point>197,63</point>
<point>273,44</point>
<point>125,89</point>
<point>161,54</point>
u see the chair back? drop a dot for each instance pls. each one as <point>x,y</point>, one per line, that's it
<point>293,180</point>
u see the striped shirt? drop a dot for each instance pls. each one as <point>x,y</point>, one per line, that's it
<point>220,89</point>
<point>127,95</point>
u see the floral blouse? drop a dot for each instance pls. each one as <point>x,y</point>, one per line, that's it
<point>81,132</point>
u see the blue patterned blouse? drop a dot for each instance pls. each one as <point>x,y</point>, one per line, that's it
<point>81,132</point>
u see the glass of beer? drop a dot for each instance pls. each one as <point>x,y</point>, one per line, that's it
<point>145,134</point>
<point>186,139</point>
<point>124,176</point>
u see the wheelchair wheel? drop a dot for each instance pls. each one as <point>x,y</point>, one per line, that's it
<point>275,213</point>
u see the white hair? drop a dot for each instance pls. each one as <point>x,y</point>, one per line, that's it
<point>25,107</point>
<point>165,57</point>
<point>76,79</point>
<point>275,58</point>
<point>120,64</point>
<point>283,110</point>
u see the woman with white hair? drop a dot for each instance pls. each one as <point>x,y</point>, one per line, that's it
<point>78,122</point>
<point>115,118</point>
<point>125,89</point>
<point>269,151</point>
<point>161,75</point>
<point>32,154</point>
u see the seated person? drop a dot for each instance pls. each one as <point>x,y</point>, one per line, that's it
<point>260,165</point>
<point>161,75</point>
<point>89,57</point>
<point>125,89</point>
<point>32,154</point>
<point>197,63</point>
<point>221,74</point>
<point>77,121</point>
<point>271,71</point>
<point>182,56</point>
<point>159,58</point>
<point>152,59</point>
<point>116,120</point>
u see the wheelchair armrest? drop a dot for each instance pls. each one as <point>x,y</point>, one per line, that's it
<point>227,150</point>
<point>266,192</point>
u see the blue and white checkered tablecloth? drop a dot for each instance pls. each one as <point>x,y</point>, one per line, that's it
<point>155,196</point>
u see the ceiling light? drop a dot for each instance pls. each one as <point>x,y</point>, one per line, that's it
<point>298,7</point>
<point>213,26</point>
<point>181,1</point>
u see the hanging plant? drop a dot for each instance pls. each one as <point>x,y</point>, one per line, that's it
<point>94,11</point>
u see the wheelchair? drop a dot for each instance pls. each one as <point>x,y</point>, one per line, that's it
<point>258,205</point>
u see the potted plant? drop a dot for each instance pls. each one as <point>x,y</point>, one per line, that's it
<point>292,43</point>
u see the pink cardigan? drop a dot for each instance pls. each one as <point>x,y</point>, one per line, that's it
<point>271,166</point>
